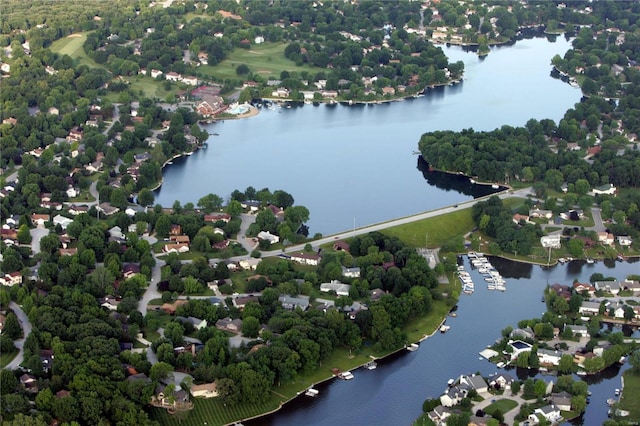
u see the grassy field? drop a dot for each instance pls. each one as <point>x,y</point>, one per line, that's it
<point>503,405</point>
<point>266,59</point>
<point>436,230</point>
<point>630,400</point>
<point>72,46</point>
<point>6,358</point>
<point>149,87</point>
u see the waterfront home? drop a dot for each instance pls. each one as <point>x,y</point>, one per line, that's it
<point>580,288</point>
<point>206,390</point>
<point>453,396</point>
<point>550,413</point>
<point>589,308</point>
<point>562,290</point>
<point>291,303</point>
<point>266,235</point>
<point>624,240</point>
<point>631,285</point>
<point>439,415</point>
<point>306,258</point>
<point>562,400</point>
<point>500,381</point>
<point>518,347</point>
<point>549,357</point>
<point>474,381</point>
<point>606,238</point>
<point>523,333</point>
<point>336,286</point>
<point>550,241</point>
<point>579,330</point>
<point>612,287</point>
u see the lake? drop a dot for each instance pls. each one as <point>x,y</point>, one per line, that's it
<point>393,393</point>
<point>355,164</point>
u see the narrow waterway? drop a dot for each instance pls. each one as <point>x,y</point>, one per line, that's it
<point>356,163</point>
<point>393,393</point>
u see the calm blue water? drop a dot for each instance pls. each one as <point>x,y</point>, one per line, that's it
<point>356,163</point>
<point>393,393</point>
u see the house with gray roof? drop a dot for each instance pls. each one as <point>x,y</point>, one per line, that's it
<point>351,272</point>
<point>549,357</point>
<point>612,287</point>
<point>336,286</point>
<point>561,400</point>
<point>589,308</point>
<point>291,303</point>
<point>578,330</point>
<point>475,381</point>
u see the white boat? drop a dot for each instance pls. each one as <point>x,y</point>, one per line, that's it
<point>346,375</point>
<point>495,186</point>
<point>371,365</point>
<point>444,328</point>
<point>491,287</point>
<point>312,392</point>
<point>450,382</point>
<point>413,347</point>
<point>500,364</point>
<point>461,268</point>
<point>590,261</point>
<point>617,392</point>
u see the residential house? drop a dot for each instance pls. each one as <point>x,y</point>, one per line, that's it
<point>191,81</point>
<point>500,381</point>
<point>29,382</point>
<point>170,308</point>
<point>107,209</point>
<point>250,263</point>
<point>291,303</point>
<point>206,390</point>
<point>39,219</point>
<point>11,279</point>
<point>68,251</point>
<point>110,303</point>
<point>624,240</point>
<point>130,270</point>
<point>589,308</point>
<point>376,294</point>
<point>306,258</point>
<point>612,287</point>
<point>475,381</point>
<point>181,239</point>
<point>453,396</point>
<point>240,301</point>
<point>175,229</point>
<point>173,76</point>
<point>579,330</point>
<point>351,272</point>
<point>550,413</point>
<point>227,324</point>
<point>580,288</point>
<point>520,217</point>
<point>217,217</point>
<point>518,347</point>
<point>116,233</point>
<point>341,246</point>
<point>439,415</point>
<point>77,209</point>
<point>604,189</point>
<point>178,401</point>
<point>561,400</point>
<point>265,235</point>
<point>335,286</point>
<point>549,357</point>
<point>631,285</point>
<point>281,92</point>
<point>197,323</point>
<point>606,238</point>
<point>156,73</point>
<point>175,248</point>
<point>523,333</point>
<point>551,241</point>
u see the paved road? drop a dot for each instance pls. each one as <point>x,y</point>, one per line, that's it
<point>247,243</point>
<point>26,329</point>
<point>597,219</point>
<point>152,289</point>
<point>13,176</point>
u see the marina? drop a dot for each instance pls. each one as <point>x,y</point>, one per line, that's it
<point>491,276</point>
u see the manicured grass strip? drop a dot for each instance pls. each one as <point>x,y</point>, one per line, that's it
<point>502,405</point>
<point>629,400</point>
<point>434,231</point>
<point>6,358</point>
<point>266,59</point>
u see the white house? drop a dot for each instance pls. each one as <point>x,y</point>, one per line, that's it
<point>550,412</point>
<point>175,248</point>
<point>191,81</point>
<point>339,288</point>
<point>612,287</point>
<point>11,279</point>
<point>580,330</point>
<point>606,238</point>
<point>624,240</point>
<point>306,259</point>
<point>173,76</point>
<point>604,189</point>
<point>156,73</point>
<point>550,241</point>
<point>546,356</point>
<point>351,272</point>
<point>589,308</point>
<point>249,264</point>
<point>62,221</point>
<point>265,235</point>
<point>206,390</point>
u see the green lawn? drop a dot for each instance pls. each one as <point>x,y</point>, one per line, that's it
<point>6,358</point>
<point>629,400</point>
<point>503,405</point>
<point>72,45</point>
<point>434,231</point>
<point>149,87</point>
<point>266,59</point>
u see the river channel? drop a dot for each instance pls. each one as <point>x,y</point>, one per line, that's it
<point>355,165</point>
<point>393,393</point>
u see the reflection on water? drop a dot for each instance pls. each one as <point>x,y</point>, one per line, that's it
<point>454,182</point>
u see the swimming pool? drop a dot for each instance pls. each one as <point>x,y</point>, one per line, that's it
<point>238,109</point>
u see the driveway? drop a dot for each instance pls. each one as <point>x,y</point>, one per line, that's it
<point>26,329</point>
<point>36,235</point>
<point>152,289</point>
<point>597,220</point>
<point>247,243</point>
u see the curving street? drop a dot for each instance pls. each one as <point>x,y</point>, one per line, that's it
<point>26,330</point>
